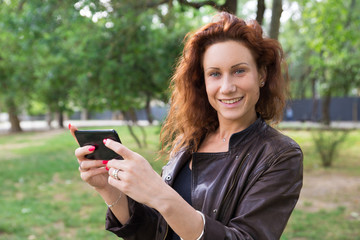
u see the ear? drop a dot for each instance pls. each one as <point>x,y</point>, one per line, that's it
<point>262,77</point>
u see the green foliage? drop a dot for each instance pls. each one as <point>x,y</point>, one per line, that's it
<point>119,55</point>
<point>327,144</point>
<point>37,108</point>
<point>89,55</point>
<point>323,48</point>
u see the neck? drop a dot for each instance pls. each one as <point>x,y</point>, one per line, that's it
<point>227,128</point>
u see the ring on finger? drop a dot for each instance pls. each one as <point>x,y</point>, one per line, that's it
<point>115,174</point>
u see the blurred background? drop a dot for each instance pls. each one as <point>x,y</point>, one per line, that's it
<point>107,64</point>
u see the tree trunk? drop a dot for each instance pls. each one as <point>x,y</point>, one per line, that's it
<point>275,19</point>
<point>231,6</point>
<point>13,118</point>
<point>260,11</point>
<point>355,110</point>
<point>134,121</point>
<point>314,113</point>
<point>61,118</point>
<point>130,118</point>
<point>350,13</point>
<point>326,108</point>
<point>148,110</point>
<point>49,118</point>
<point>84,114</point>
<point>132,133</point>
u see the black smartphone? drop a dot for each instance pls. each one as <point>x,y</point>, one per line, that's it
<point>95,138</point>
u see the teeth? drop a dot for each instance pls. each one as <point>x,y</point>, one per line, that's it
<point>231,100</point>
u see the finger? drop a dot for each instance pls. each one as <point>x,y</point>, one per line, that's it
<point>72,131</point>
<point>119,184</point>
<point>81,152</point>
<point>115,173</point>
<point>85,165</point>
<point>119,149</point>
<point>87,175</point>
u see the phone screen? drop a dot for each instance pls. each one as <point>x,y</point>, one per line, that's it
<point>95,138</point>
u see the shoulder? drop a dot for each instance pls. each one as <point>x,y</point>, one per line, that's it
<point>277,146</point>
<point>277,139</point>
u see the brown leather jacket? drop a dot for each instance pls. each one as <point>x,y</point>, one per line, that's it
<point>248,192</point>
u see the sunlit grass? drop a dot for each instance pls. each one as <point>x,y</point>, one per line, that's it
<point>347,161</point>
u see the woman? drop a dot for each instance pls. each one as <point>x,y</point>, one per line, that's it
<point>230,175</point>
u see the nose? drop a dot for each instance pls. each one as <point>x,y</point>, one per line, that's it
<point>227,85</point>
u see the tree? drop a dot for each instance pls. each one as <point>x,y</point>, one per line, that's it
<point>37,49</point>
<point>56,58</point>
<point>260,11</point>
<point>275,19</point>
<point>334,46</point>
<point>129,62</point>
<point>327,143</point>
<point>95,54</point>
<point>322,46</point>
<point>228,6</point>
<point>232,7</point>
<point>16,68</point>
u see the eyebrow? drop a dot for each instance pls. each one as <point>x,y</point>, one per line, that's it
<point>234,66</point>
<point>242,63</point>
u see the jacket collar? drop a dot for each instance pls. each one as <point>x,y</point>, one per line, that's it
<point>236,139</point>
<point>247,134</point>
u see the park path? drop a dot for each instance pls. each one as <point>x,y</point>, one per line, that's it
<point>324,190</point>
<point>42,125</point>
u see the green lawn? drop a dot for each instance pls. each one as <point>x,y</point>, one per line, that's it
<point>42,196</point>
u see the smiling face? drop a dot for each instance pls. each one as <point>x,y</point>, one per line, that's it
<point>232,82</point>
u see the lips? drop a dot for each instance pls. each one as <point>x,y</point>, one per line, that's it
<point>231,101</point>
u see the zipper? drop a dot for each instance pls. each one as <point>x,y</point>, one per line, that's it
<point>224,204</point>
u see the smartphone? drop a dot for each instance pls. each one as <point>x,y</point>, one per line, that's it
<point>95,138</point>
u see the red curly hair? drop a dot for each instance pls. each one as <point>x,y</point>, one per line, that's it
<point>191,116</point>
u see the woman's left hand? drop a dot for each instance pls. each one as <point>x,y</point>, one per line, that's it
<point>137,179</point>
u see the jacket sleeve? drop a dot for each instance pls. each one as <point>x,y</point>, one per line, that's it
<point>142,224</point>
<point>263,212</point>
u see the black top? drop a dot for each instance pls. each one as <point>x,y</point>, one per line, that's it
<point>182,184</point>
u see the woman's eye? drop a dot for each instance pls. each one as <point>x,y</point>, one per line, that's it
<point>239,71</point>
<point>214,74</point>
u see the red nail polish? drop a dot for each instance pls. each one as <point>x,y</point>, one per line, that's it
<point>104,141</point>
<point>92,148</point>
<point>69,126</point>
<point>107,168</point>
<point>105,161</point>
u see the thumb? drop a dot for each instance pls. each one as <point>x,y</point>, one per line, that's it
<point>72,129</point>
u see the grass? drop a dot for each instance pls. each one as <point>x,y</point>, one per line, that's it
<point>338,223</point>
<point>347,161</point>
<point>322,225</point>
<point>43,197</point>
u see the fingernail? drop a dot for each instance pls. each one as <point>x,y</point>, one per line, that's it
<point>104,141</point>
<point>69,126</point>
<point>105,161</point>
<point>92,148</point>
<point>107,168</point>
